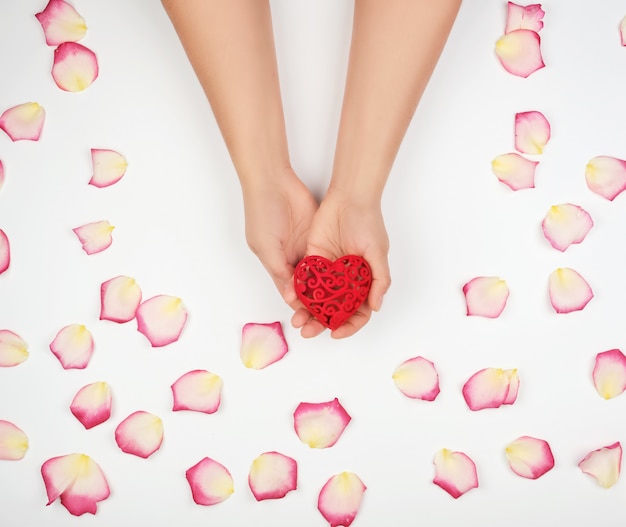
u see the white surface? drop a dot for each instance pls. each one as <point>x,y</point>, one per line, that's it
<point>179,230</point>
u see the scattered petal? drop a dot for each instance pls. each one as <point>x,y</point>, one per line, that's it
<point>515,171</point>
<point>140,434</point>
<point>75,67</point>
<point>108,167</point>
<point>519,52</point>
<point>529,457</point>
<point>319,425</point>
<point>262,345</point>
<point>95,236</point>
<point>513,377</point>
<point>340,499</point>
<point>532,132</point>
<point>61,23</point>
<point>454,472</point>
<point>5,252</point>
<point>13,349</point>
<point>417,378</point>
<point>486,296</point>
<point>603,464</point>
<point>73,346</point>
<point>606,176</point>
<point>566,224</point>
<point>272,475</point>
<point>524,17</point>
<point>199,391</point>
<point>119,299</point>
<point>490,387</point>
<point>568,290</point>
<point>23,122</point>
<point>13,441</point>
<point>78,480</point>
<point>210,482</point>
<point>92,404</point>
<point>161,319</point>
<point>609,373</point>
<point>622,31</point>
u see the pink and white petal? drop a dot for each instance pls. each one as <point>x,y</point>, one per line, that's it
<point>95,236</point>
<point>13,349</point>
<point>23,122</point>
<point>92,404</point>
<point>210,482</point>
<point>622,31</point>
<point>532,132</point>
<point>140,434</point>
<point>5,252</point>
<point>75,67</point>
<point>320,425</point>
<point>566,224</point>
<point>13,441</point>
<point>109,167</point>
<point>262,344</point>
<point>198,391</point>
<point>524,17</point>
<point>61,23</point>
<point>515,171</point>
<point>417,378</point>
<point>340,499</point>
<point>455,472</point>
<point>272,475</point>
<point>487,388</point>
<point>119,299</point>
<point>603,464</point>
<point>78,480</point>
<point>569,291</point>
<point>519,52</point>
<point>529,457</point>
<point>1,174</point>
<point>513,382</point>
<point>485,296</point>
<point>609,373</point>
<point>606,176</point>
<point>161,319</point>
<point>73,346</point>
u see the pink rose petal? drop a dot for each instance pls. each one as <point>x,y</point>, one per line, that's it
<point>515,171</point>
<point>75,67</point>
<point>23,122</point>
<point>524,17</point>
<point>622,31</point>
<point>606,176</point>
<point>262,345</point>
<point>95,236</point>
<point>513,377</point>
<point>603,464</point>
<point>489,388</point>
<point>73,346</point>
<point>92,404</point>
<point>198,391</point>
<point>568,290</point>
<point>77,480</point>
<point>119,299</point>
<point>210,482</point>
<point>272,475</point>
<point>140,434</point>
<point>532,132</point>
<point>161,319</point>
<point>13,441</point>
<point>485,296</point>
<point>340,499</point>
<point>566,224</point>
<point>519,52</point>
<point>5,252</point>
<point>455,472</point>
<point>609,373</point>
<point>108,167</point>
<point>319,425</point>
<point>61,23</point>
<point>529,457</point>
<point>13,349</point>
<point>417,378</point>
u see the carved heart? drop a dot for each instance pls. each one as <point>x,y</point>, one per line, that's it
<point>332,291</point>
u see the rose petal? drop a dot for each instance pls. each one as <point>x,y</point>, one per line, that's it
<point>566,224</point>
<point>513,381</point>
<point>197,390</point>
<point>524,17</point>
<point>13,349</point>
<point>622,31</point>
<point>119,299</point>
<point>519,52</point>
<point>485,296</point>
<point>417,378</point>
<point>140,434</point>
<point>77,480</point>
<point>568,290</point>
<point>609,373</point>
<point>5,252</point>
<point>529,457</point>
<point>606,176</point>
<point>73,346</point>
<point>515,171</point>
<point>532,132</point>
<point>95,236</point>
<point>161,319</point>
<point>454,472</point>
<point>340,499</point>
<point>75,67</point>
<point>319,425</point>
<point>92,404</point>
<point>61,23</point>
<point>23,122</point>
<point>210,482</point>
<point>13,442</point>
<point>272,475</point>
<point>108,167</point>
<point>603,464</point>
<point>489,388</point>
<point>262,345</point>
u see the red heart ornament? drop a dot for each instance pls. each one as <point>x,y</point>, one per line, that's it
<point>332,291</point>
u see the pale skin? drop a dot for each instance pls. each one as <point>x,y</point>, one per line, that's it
<point>395,47</point>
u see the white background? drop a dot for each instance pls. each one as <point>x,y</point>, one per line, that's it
<point>179,230</point>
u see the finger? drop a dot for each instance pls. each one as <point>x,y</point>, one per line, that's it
<point>312,328</point>
<point>300,318</point>
<point>353,324</point>
<point>381,280</point>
